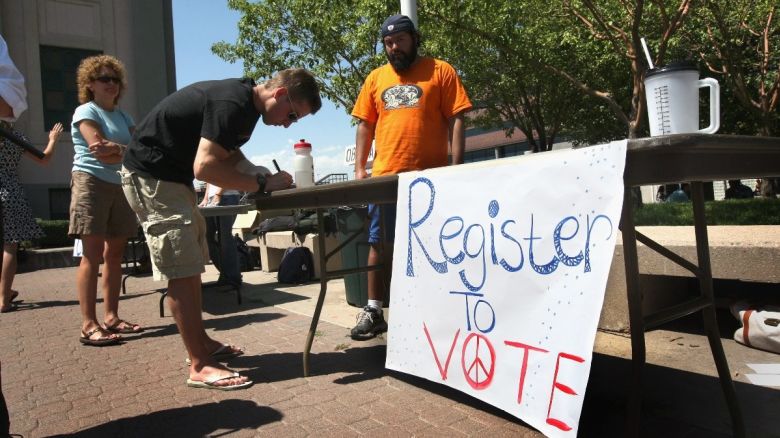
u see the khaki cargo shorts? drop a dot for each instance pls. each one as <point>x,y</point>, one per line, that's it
<point>174,228</point>
<point>99,208</point>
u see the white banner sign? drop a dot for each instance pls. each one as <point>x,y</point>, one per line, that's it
<point>499,275</point>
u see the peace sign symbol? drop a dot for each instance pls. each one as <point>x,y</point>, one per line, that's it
<point>476,373</point>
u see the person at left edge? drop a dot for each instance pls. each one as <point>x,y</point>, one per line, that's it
<point>197,132</point>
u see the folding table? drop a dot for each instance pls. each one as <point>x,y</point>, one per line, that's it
<point>696,158</point>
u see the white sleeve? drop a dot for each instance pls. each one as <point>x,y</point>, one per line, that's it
<point>12,88</point>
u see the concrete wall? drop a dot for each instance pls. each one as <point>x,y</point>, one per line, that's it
<point>742,258</point>
<point>138,32</point>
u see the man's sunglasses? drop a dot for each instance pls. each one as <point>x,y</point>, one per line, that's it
<point>292,115</point>
<point>107,79</point>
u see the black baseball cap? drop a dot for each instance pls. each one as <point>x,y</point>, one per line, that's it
<point>397,23</point>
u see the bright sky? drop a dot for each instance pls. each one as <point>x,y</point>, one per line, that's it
<point>197,24</point>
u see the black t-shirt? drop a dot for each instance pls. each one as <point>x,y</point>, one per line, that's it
<point>165,142</point>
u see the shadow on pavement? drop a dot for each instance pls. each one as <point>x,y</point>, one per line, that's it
<point>674,403</point>
<point>33,305</point>
<point>367,363</point>
<point>220,301</point>
<point>211,419</point>
<point>217,324</point>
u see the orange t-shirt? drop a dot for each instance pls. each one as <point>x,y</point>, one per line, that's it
<point>411,112</point>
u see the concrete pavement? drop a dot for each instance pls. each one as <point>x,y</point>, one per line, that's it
<point>55,386</point>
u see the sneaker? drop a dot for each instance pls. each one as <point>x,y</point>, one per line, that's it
<point>369,324</point>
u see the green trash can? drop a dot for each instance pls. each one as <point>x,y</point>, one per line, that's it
<point>355,253</point>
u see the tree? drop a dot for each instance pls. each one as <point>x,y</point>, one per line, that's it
<point>574,68</point>
<point>339,42</point>
<point>491,42</point>
<point>741,43</point>
<point>335,40</point>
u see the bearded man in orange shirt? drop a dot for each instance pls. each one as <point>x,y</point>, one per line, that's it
<point>413,108</point>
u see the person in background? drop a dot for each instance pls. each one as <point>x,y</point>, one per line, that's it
<point>18,222</point>
<point>200,189</point>
<point>769,187</point>
<point>678,195</point>
<point>219,235</point>
<point>413,108</point>
<point>99,213</point>
<point>198,132</point>
<point>737,190</point>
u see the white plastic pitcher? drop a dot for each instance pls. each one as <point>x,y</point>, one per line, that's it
<point>672,95</point>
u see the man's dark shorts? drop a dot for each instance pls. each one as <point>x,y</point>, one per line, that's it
<point>375,212</point>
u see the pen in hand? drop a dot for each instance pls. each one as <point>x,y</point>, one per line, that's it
<point>276,165</point>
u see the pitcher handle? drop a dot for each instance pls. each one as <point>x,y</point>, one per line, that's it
<point>714,105</point>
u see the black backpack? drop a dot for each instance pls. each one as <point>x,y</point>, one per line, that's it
<point>247,260</point>
<point>297,266</point>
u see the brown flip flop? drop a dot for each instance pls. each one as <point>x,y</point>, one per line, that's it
<point>102,341</point>
<point>128,329</point>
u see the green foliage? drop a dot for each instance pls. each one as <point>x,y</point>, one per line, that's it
<point>56,235</point>
<point>757,211</point>
<point>568,69</point>
<point>335,40</point>
<point>739,43</point>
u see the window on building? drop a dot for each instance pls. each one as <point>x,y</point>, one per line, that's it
<point>58,83</point>
<point>515,149</point>
<point>480,155</point>
<point>59,203</point>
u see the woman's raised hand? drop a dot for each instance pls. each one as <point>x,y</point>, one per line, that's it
<point>55,132</point>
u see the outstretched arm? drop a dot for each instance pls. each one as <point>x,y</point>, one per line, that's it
<point>54,136</point>
<point>215,165</point>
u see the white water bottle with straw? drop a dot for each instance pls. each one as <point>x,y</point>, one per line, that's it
<point>303,165</point>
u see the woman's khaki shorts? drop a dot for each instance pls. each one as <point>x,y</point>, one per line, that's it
<point>174,228</point>
<point>99,208</point>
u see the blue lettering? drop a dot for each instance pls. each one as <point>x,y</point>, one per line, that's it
<point>504,264</point>
<point>481,251</point>
<point>563,257</point>
<point>442,237</point>
<point>467,295</point>
<point>440,267</point>
<point>545,269</point>
<point>587,239</point>
<point>492,316</point>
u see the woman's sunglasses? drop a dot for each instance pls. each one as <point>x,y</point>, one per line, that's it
<point>107,79</point>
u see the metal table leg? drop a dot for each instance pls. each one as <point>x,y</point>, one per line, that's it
<point>704,302</point>
<point>326,275</point>
<point>636,322</point>
<point>323,259</point>
<point>708,313</point>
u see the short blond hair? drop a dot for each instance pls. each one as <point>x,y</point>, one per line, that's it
<point>300,84</point>
<point>89,70</point>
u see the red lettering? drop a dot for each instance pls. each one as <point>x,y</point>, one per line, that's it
<point>477,364</point>
<point>442,371</point>
<point>561,387</point>
<point>524,367</point>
